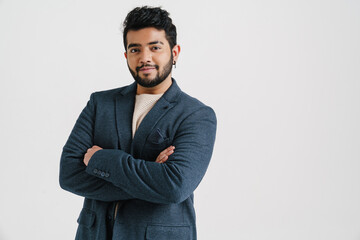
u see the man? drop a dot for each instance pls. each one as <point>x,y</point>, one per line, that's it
<point>137,153</point>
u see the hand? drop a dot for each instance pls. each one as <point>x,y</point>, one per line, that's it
<point>89,153</point>
<point>164,155</point>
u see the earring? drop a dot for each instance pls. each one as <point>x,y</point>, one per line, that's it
<point>174,63</point>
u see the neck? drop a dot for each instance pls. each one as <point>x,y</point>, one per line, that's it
<point>158,89</point>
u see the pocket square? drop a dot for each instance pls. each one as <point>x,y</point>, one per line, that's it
<point>158,136</point>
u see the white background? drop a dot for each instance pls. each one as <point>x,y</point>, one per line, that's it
<point>282,76</point>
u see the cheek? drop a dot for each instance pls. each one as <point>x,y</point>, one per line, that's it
<point>131,63</point>
<point>163,60</point>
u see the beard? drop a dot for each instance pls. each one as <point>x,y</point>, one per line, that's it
<point>160,76</point>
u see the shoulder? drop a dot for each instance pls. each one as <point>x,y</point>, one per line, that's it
<point>111,94</point>
<point>192,106</point>
<point>195,117</point>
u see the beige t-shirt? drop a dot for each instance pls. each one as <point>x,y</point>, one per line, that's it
<point>143,104</point>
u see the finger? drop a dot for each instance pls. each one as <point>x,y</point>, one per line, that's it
<point>90,149</point>
<point>164,159</point>
<point>160,158</point>
<point>163,156</point>
<point>166,153</point>
<point>169,150</point>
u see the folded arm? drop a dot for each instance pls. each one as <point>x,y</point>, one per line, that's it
<point>170,182</point>
<point>73,176</point>
<point>123,177</point>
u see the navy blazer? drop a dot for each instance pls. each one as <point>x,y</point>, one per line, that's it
<point>155,200</point>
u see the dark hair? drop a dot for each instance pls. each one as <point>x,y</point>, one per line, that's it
<point>143,17</point>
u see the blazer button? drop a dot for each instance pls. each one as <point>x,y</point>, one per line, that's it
<point>107,174</point>
<point>95,171</point>
<point>102,174</point>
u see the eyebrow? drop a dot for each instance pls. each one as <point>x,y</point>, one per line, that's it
<point>156,42</point>
<point>139,45</point>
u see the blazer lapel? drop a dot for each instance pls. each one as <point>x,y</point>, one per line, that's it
<point>124,108</point>
<point>163,105</point>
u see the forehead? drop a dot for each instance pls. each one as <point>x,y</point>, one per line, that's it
<point>145,36</point>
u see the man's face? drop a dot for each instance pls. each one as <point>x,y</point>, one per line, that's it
<point>149,56</point>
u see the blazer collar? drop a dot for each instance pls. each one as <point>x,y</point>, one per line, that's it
<point>172,94</point>
<point>130,89</point>
<point>124,107</point>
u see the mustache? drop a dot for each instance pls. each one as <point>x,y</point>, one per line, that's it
<point>147,65</point>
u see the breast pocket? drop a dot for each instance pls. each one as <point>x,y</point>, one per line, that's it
<point>157,136</point>
<point>155,144</point>
<point>168,232</point>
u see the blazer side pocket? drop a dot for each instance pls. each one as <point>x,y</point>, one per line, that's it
<point>157,232</point>
<point>86,218</point>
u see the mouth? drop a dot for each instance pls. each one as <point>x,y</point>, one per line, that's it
<point>147,69</point>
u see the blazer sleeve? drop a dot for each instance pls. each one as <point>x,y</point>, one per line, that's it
<point>73,176</point>
<point>169,182</point>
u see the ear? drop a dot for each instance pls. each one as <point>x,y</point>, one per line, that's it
<point>125,55</point>
<point>176,51</point>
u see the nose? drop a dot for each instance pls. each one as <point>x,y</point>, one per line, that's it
<point>146,56</point>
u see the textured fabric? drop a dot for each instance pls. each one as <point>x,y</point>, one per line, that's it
<point>155,199</point>
<point>143,105</point>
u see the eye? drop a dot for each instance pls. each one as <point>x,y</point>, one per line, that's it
<point>156,48</point>
<point>134,50</point>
